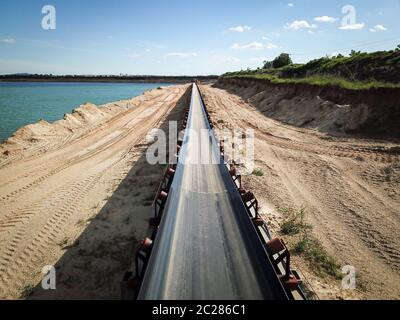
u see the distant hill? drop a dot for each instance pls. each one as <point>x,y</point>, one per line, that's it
<point>113,78</point>
<point>19,75</point>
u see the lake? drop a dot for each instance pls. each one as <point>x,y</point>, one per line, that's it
<point>22,103</point>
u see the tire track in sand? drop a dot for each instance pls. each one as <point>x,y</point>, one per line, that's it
<point>25,248</point>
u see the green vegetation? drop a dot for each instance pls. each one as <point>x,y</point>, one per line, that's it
<point>325,81</point>
<point>302,243</point>
<point>359,70</point>
<point>258,172</point>
<point>313,251</point>
<point>294,221</point>
<point>281,61</point>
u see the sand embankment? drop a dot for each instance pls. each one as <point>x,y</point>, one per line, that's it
<point>76,194</point>
<point>349,186</point>
<point>44,136</point>
<point>373,113</point>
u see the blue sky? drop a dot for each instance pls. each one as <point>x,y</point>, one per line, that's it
<point>175,37</point>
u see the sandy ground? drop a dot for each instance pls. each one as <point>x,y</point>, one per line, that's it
<point>76,194</point>
<point>349,188</point>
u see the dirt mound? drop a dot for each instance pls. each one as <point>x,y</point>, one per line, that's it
<point>375,113</point>
<point>44,135</point>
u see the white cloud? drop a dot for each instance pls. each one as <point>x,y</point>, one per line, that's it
<point>355,26</point>
<point>290,5</point>
<point>254,46</point>
<point>181,54</point>
<point>325,19</point>
<point>271,46</point>
<point>299,24</point>
<point>240,28</point>
<point>9,41</point>
<point>378,28</point>
<point>265,38</point>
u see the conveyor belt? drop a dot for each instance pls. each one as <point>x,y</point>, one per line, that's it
<point>207,246</point>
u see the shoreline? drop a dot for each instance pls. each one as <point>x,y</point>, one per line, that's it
<point>84,113</point>
<point>44,116</point>
<point>89,81</point>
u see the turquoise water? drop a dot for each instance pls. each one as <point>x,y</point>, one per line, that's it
<point>25,103</point>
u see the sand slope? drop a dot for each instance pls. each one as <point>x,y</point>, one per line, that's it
<point>374,113</point>
<point>76,193</point>
<point>349,187</point>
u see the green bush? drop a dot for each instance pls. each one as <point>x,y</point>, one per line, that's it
<point>282,60</point>
<point>293,222</point>
<point>307,246</point>
<point>316,255</point>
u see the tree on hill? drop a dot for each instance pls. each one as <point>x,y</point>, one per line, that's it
<point>282,60</point>
<point>355,53</point>
<point>267,65</point>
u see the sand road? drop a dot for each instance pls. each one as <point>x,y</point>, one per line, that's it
<point>80,203</point>
<point>349,188</point>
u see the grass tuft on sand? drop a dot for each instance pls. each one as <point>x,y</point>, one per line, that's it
<point>258,173</point>
<point>301,242</point>
<point>294,221</point>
